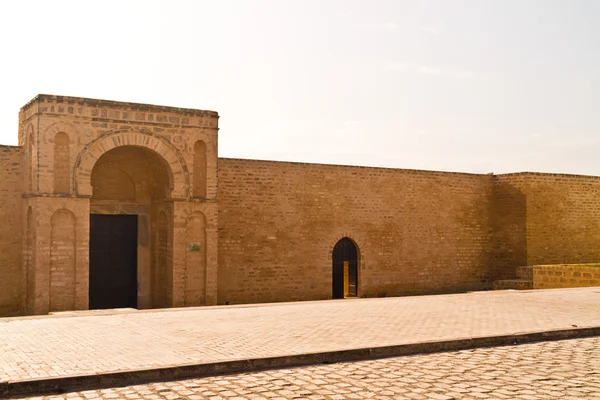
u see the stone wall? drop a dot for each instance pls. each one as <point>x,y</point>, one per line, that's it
<point>85,155</point>
<point>416,231</point>
<point>55,131</point>
<point>266,231</point>
<point>565,276</point>
<point>11,276</point>
<point>549,219</point>
<point>509,224</point>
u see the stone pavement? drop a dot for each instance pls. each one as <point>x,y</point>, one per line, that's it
<point>567,370</point>
<point>47,347</point>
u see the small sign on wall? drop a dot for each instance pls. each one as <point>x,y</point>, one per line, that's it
<point>194,246</point>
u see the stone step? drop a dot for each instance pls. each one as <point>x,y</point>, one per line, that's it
<point>525,272</point>
<point>516,284</point>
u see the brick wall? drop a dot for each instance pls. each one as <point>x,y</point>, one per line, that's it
<point>11,276</point>
<point>63,138</point>
<point>62,261</point>
<point>274,224</point>
<point>562,221</point>
<point>417,231</point>
<point>509,222</point>
<point>566,276</point>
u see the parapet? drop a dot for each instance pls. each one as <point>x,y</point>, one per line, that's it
<point>118,112</point>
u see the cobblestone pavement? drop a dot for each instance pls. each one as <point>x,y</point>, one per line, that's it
<point>63,346</point>
<point>568,369</point>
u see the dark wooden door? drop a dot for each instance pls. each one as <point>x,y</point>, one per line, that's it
<point>345,252</point>
<point>113,261</point>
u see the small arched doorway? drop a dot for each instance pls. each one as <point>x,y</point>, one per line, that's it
<point>345,269</point>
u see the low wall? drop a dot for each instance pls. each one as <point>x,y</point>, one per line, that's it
<point>565,275</point>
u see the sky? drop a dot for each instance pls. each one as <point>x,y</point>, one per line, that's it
<point>469,86</point>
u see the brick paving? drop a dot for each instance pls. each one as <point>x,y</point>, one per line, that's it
<point>64,346</point>
<point>568,370</point>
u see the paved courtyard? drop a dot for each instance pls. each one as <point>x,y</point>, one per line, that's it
<point>45,347</point>
<point>568,370</point>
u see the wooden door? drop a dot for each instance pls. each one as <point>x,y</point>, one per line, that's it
<point>345,269</point>
<point>113,261</point>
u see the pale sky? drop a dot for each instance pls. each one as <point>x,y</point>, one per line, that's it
<point>471,86</point>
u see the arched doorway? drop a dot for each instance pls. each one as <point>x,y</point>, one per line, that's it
<point>345,269</point>
<point>129,224</point>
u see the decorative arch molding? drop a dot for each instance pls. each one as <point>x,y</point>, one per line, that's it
<point>58,127</point>
<point>62,163</point>
<point>29,156</point>
<point>180,179</point>
<point>62,274</point>
<point>29,131</point>
<point>199,170</point>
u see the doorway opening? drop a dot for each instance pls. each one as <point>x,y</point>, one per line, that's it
<point>135,182</point>
<point>113,261</point>
<point>345,269</point>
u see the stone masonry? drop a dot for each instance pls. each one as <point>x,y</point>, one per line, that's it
<point>223,231</point>
<point>78,157</point>
<point>565,276</point>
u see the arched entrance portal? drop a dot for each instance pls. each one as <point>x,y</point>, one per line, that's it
<point>345,269</point>
<point>129,229</point>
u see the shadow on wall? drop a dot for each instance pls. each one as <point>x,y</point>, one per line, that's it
<point>509,230</point>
